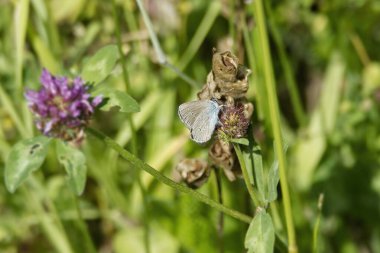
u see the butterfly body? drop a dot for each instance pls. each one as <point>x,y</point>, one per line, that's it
<point>200,117</point>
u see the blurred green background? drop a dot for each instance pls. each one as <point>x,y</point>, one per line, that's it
<point>326,62</point>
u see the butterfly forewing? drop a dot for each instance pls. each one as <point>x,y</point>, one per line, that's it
<point>188,112</point>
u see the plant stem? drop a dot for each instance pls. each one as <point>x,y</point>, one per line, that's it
<point>232,24</point>
<point>200,34</point>
<point>8,105</point>
<point>142,190</point>
<point>133,131</point>
<point>21,16</point>
<point>360,49</point>
<point>82,225</point>
<point>259,91</point>
<point>145,214</point>
<point>317,224</point>
<point>182,75</point>
<point>53,230</point>
<point>221,215</point>
<point>275,119</point>
<point>243,167</point>
<point>161,57</point>
<point>165,180</point>
<point>137,163</point>
<point>120,46</point>
<point>290,81</point>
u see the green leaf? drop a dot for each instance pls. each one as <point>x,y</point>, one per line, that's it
<point>258,169</point>
<point>260,234</point>
<point>254,162</point>
<point>242,141</point>
<point>273,179</point>
<point>24,158</point>
<point>131,239</point>
<point>75,165</point>
<point>248,160</point>
<point>117,98</point>
<point>371,78</point>
<point>100,65</point>
<point>321,124</point>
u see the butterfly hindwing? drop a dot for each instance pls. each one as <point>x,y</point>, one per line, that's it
<point>204,125</point>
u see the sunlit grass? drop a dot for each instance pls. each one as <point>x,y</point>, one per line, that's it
<point>314,86</point>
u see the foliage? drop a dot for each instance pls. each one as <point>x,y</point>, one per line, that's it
<point>323,65</point>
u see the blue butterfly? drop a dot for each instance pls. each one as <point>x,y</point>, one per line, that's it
<point>200,117</point>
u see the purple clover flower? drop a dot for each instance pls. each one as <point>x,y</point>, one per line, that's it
<point>233,123</point>
<point>62,108</point>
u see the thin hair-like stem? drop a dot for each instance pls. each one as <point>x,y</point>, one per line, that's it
<point>161,57</point>
<point>137,163</point>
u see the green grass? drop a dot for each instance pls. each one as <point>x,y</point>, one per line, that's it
<point>315,88</point>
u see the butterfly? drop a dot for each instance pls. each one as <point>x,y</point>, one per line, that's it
<point>201,118</point>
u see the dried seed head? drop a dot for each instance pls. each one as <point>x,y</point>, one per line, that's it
<point>227,80</point>
<point>223,156</point>
<point>194,172</point>
<point>224,66</point>
<point>242,73</point>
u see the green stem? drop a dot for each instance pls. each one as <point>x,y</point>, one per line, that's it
<point>360,49</point>
<point>165,180</point>
<point>220,226</point>
<point>83,227</point>
<point>130,17</point>
<point>137,163</point>
<point>8,105</point>
<point>258,90</point>
<point>275,119</point>
<point>232,24</point>
<point>52,28</point>
<point>142,190</point>
<point>145,214</point>
<point>120,47</point>
<point>199,36</point>
<point>161,57</point>
<point>243,167</point>
<point>182,75</point>
<point>133,131</point>
<point>21,16</point>
<point>290,81</point>
<point>53,230</point>
<point>317,224</point>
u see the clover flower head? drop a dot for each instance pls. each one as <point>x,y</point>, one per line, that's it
<point>62,108</point>
<point>233,123</point>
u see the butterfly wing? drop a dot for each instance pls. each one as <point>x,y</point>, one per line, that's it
<point>188,112</point>
<point>204,125</point>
